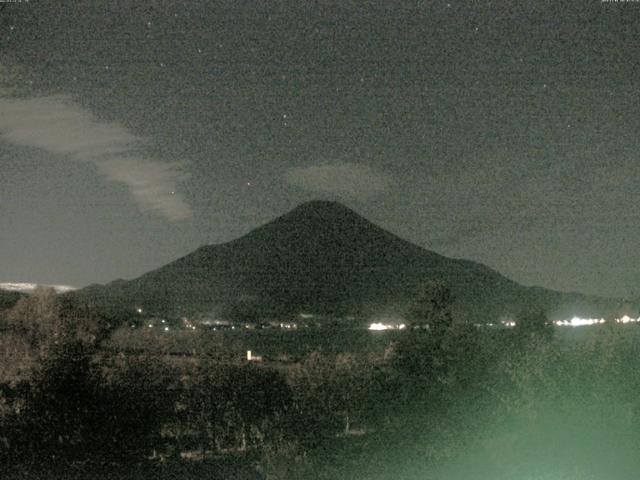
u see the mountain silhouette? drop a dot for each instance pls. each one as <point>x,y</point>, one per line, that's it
<point>323,258</point>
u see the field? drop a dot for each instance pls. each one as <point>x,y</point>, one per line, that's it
<point>269,343</point>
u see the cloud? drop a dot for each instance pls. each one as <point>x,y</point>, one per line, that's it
<point>151,183</point>
<point>58,125</point>
<point>344,179</point>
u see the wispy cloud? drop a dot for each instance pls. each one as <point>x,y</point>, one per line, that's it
<point>58,125</point>
<point>343,179</point>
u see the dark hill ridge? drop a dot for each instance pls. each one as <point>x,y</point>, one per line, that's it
<point>322,258</point>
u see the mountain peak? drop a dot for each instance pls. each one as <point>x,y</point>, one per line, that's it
<point>322,211</point>
<point>322,207</point>
<point>313,218</point>
<point>321,204</point>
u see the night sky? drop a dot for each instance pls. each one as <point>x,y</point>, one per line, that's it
<point>504,132</point>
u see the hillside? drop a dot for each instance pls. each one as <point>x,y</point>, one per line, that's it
<point>323,258</point>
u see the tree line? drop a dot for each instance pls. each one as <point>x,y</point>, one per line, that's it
<point>428,397</point>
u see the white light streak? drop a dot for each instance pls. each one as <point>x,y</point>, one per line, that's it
<point>580,322</point>
<point>30,287</point>
<point>377,326</point>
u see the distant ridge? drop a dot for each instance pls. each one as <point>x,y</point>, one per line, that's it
<point>324,258</point>
<point>30,287</point>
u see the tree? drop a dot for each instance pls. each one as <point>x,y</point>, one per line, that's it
<point>234,406</point>
<point>316,415</point>
<point>36,316</point>
<point>428,358</point>
<point>253,397</point>
<point>332,392</point>
<point>533,323</point>
<point>47,321</point>
<point>51,392</point>
<point>432,309</point>
<point>58,402</point>
<point>132,399</point>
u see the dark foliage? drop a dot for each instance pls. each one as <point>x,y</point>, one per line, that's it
<point>532,324</point>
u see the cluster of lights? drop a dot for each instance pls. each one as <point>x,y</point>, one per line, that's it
<point>627,319</point>
<point>582,322</point>
<point>386,326</point>
<point>573,322</point>
<point>288,326</point>
<point>579,322</point>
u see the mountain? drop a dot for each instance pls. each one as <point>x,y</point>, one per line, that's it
<point>323,258</point>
